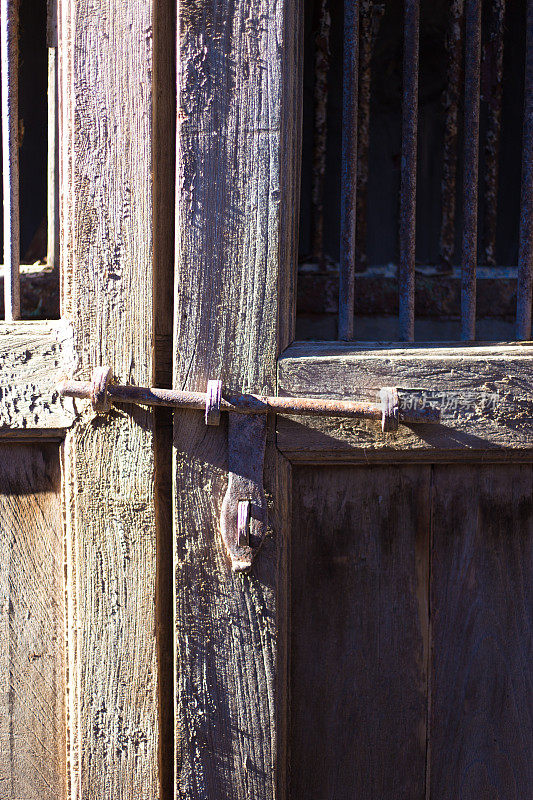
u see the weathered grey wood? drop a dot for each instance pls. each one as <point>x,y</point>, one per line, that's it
<point>239,71</point>
<point>32,662</point>
<point>481,601</point>
<point>107,95</point>
<point>484,394</point>
<point>34,356</point>
<point>9,49</point>
<point>359,632</point>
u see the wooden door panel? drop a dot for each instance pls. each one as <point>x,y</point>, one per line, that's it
<point>359,623</point>
<point>32,614</point>
<point>482,632</point>
<point>411,601</point>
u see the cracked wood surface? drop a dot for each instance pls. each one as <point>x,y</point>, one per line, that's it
<point>239,68</point>
<point>107,57</point>
<point>34,356</point>
<point>32,614</point>
<point>484,393</point>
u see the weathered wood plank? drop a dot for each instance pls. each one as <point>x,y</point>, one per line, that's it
<point>107,61</point>
<point>239,70</point>
<point>482,633</point>
<point>484,394</point>
<point>32,662</point>
<point>34,356</point>
<point>359,632</point>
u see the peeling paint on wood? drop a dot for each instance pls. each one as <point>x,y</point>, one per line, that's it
<point>34,357</point>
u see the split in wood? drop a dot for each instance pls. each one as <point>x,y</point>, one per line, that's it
<point>103,393</point>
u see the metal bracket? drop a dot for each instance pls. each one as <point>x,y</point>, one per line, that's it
<point>243,519</point>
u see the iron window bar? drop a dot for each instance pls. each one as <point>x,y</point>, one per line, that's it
<point>471,11</point>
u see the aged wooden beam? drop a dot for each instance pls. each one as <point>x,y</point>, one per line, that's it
<point>239,105</point>
<point>9,47</point>
<point>483,394</point>
<point>107,56</point>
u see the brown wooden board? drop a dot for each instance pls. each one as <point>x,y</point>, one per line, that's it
<point>107,57</point>
<point>32,615</point>
<point>239,69</point>
<point>481,738</point>
<point>359,632</point>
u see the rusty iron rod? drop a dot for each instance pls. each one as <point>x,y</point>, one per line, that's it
<point>247,403</point>
<point>406,277</point>
<point>525,251</point>
<point>320,128</point>
<point>449,160</point>
<point>371,14</point>
<point>471,169</point>
<point>349,168</point>
<point>9,58</point>
<point>492,93</point>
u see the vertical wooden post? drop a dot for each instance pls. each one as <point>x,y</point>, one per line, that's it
<point>239,83</point>
<point>107,59</point>
<point>9,49</point>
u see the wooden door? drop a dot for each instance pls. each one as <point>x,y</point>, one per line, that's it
<point>380,647</point>
<point>82,611</point>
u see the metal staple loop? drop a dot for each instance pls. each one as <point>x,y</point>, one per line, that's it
<point>212,402</point>
<point>99,386</point>
<point>390,409</point>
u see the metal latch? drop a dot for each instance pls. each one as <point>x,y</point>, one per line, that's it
<point>243,520</point>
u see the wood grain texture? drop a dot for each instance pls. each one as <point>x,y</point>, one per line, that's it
<point>481,601</point>
<point>239,71</point>
<point>107,254</point>
<point>34,356</point>
<point>484,394</point>
<point>32,654</point>
<point>359,632</point>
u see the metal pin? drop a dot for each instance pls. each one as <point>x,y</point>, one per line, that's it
<point>525,252</point>
<point>349,168</point>
<point>471,168</point>
<point>243,522</point>
<point>408,171</point>
<point>449,158</point>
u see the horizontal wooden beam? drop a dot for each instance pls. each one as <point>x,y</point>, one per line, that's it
<point>34,356</point>
<point>484,394</point>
